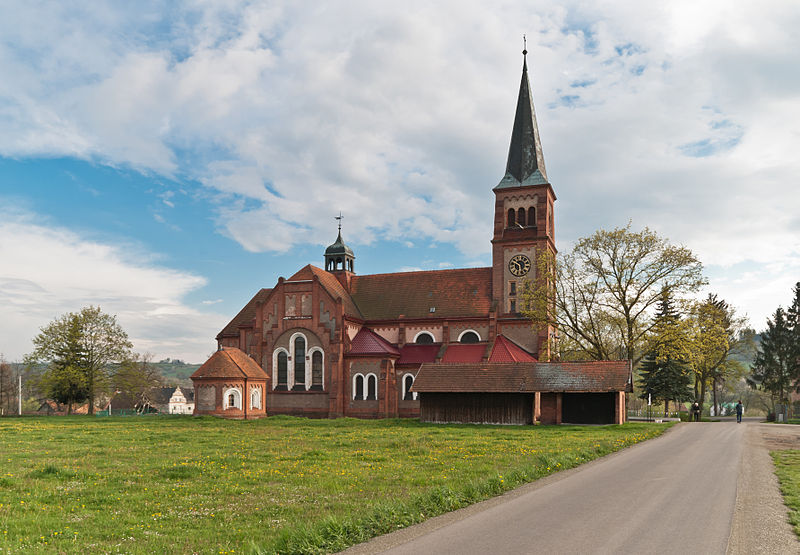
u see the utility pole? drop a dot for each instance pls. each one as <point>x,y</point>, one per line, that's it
<point>19,399</point>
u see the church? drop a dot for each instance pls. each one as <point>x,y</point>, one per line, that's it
<point>443,345</point>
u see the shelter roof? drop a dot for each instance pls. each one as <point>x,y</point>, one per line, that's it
<point>160,395</point>
<point>229,362</point>
<point>367,342</point>
<point>432,294</point>
<point>505,350</point>
<point>464,352</point>
<point>523,377</point>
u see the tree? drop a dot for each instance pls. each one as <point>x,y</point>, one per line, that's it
<point>65,380</point>
<point>793,321</point>
<point>601,295</point>
<point>664,373</point>
<point>136,377</point>
<point>717,342</point>
<point>774,365</point>
<point>7,387</point>
<point>99,342</point>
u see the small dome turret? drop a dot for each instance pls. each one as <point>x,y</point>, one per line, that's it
<point>339,256</point>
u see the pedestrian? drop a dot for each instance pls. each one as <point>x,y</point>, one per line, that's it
<point>696,411</point>
<point>739,411</point>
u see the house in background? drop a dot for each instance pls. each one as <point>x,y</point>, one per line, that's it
<point>181,402</point>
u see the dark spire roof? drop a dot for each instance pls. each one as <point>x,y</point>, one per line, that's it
<point>338,247</point>
<point>525,160</point>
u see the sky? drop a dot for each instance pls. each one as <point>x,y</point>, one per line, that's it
<point>166,160</point>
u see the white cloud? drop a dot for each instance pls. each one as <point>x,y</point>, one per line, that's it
<point>674,116</point>
<point>49,271</point>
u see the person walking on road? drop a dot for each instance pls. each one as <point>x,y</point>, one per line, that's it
<point>696,411</point>
<point>739,411</point>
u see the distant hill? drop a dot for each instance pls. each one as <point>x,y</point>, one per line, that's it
<point>175,370</point>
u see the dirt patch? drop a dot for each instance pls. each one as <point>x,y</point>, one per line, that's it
<point>778,437</point>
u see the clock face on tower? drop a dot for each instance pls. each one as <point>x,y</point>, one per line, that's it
<point>519,265</point>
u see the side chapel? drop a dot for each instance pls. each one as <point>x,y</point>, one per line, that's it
<point>444,345</point>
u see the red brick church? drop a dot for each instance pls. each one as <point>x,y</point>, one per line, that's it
<point>446,345</point>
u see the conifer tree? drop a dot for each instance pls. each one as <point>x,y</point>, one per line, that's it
<point>664,373</point>
<point>793,321</point>
<point>775,362</point>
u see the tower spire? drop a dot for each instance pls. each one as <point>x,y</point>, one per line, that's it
<point>525,165</point>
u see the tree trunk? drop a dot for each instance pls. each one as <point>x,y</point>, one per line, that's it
<point>714,395</point>
<point>702,395</point>
<point>69,408</point>
<point>666,407</point>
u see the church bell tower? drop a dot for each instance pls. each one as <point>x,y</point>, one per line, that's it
<point>523,214</point>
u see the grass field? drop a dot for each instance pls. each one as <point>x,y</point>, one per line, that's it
<point>183,484</point>
<point>787,467</point>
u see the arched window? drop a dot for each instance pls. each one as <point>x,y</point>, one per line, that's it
<point>424,338</point>
<point>512,217</point>
<point>372,387</point>
<point>532,216</point>
<point>283,371</point>
<point>232,399</point>
<point>299,362</point>
<point>469,336</point>
<point>316,370</point>
<point>408,381</point>
<point>358,387</point>
<point>255,399</point>
<point>521,217</point>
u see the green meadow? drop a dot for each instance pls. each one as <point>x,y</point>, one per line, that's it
<point>787,467</point>
<point>280,484</point>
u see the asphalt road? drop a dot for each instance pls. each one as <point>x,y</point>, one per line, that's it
<point>677,493</point>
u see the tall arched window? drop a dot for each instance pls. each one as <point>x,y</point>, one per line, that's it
<point>408,381</point>
<point>283,371</point>
<point>358,387</point>
<point>532,217</point>
<point>424,338</point>
<point>512,217</point>
<point>299,362</point>
<point>255,399</point>
<point>372,388</point>
<point>521,217</point>
<point>316,370</point>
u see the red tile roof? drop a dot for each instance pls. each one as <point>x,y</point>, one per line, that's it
<point>368,343</point>
<point>246,315</point>
<point>332,285</point>
<point>414,354</point>
<point>229,362</point>
<point>505,350</point>
<point>452,293</point>
<point>464,352</point>
<point>521,377</point>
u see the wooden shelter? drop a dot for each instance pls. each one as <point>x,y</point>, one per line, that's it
<point>524,392</point>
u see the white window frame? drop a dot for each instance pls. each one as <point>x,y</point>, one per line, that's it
<point>237,404</point>
<point>310,367</point>
<point>292,357</point>
<point>255,395</point>
<point>403,384</point>
<point>275,367</point>
<point>426,332</point>
<point>463,333</point>
<point>363,389</point>
<point>366,385</point>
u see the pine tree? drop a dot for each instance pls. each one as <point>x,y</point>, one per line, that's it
<point>775,360</point>
<point>65,381</point>
<point>793,322</point>
<point>664,373</point>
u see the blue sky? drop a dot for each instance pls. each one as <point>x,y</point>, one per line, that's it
<point>167,160</point>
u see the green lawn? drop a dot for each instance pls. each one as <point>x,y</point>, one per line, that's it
<point>183,484</point>
<point>787,467</point>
